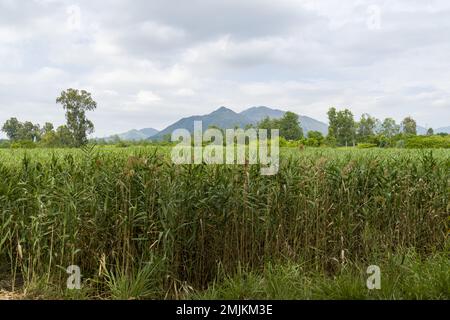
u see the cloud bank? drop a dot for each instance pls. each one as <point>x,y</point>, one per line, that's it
<point>148,63</point>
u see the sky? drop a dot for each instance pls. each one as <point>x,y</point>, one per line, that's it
<point>148,63</point>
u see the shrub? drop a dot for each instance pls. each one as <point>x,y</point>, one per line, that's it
<point>366,145</point>
<point>23,145</point>
<point>428,142</point>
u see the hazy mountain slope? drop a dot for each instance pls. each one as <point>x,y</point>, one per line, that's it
<point>135,135</point>
<point>222,117</point>
<point>148,132</point>
<point>226,118</point>
<point>310,124</point>
<point>443,130</point>
<point>256,114</point>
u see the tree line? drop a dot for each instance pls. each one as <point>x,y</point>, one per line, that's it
<point>343,130</point>
<point>73,134</point>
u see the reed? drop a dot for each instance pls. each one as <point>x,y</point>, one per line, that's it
<point>129,215</point>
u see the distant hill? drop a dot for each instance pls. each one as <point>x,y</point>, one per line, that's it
<point>135,135</point>
<point>442,130</point>
<point>421,130</point>
<point>226,118</point>
<point>256,114</point>
<point>222,118</point>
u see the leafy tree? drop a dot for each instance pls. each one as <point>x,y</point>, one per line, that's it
<point>30,131</point>
<point>290,128</point>
<point>76,103</point>
<point>341,127</point>
<point>366,127</point>
<point>409,126</point>
<point>332,127</point>
<point>12,128</point>
<point>47,128</point>
<point>288,125</point>
<point>389,128</point>
<point>315,139</point>
<point>16,130</point>
<point>430,132</point>
<point>346,127</point>
<point>267,123</point>
<point>64,136</point>
<point>315,135</point>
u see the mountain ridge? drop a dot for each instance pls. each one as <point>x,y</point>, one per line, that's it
<point>226,118</point>
<point>134,135</point>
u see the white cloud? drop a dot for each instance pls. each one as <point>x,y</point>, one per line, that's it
<point>151,62</point>
<point>147,97</point>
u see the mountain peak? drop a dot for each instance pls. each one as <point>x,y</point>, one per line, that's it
<point>223,110</point>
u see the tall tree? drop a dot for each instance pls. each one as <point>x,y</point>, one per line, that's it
<point>290,128</point>
<point>332,126</point>
<point>341,126</point>
<point>409,126</point>
<point>389,128</point>
<point>366,127</point>
<point>76,103</point>
<point>346,127</point>
<point>47,128</point>
<point>64,136</point>
<point>12,128</point>
<point>267,123</point>
<point>30,131</point>
<point>288,125</point>
<point>430,132</point>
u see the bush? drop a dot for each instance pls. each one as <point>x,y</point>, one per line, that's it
<point>366,145</point>
<point>428,142</point>
<point>5,144</point>
<point>23,145</point>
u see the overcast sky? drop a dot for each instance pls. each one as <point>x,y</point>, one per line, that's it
<point>147,63</point>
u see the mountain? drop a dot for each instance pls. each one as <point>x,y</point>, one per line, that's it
<point>310,124</point>
<point>148,132</point>
<point>443,130</point>
<point>421,130</point>
<point>256,114</point>
<point>135,135</point>
<point>226,119</point>
<point>222,118</point>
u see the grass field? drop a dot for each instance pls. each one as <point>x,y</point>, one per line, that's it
<point>141,227</point>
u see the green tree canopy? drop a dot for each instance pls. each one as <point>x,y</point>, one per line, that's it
<point>12,128</point>
<point>76,103</point>
<point>288,125</point>
<point>341,126</point>
<point>366,127</point>
<point>290,128</point>
<point>16,130</point>
<point>389,128</point>
<point>409,126</point>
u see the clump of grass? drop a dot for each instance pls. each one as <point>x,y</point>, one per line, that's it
<point>403,276</point>
<point>144,282</point>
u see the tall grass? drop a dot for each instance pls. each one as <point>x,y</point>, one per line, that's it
<point>130,218</point>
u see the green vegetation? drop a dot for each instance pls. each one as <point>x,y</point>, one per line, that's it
<point>404,276</point>
<point>73,134</point>
<point>288,125</point>
<point>428,142</point>
<point>141,227</point>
